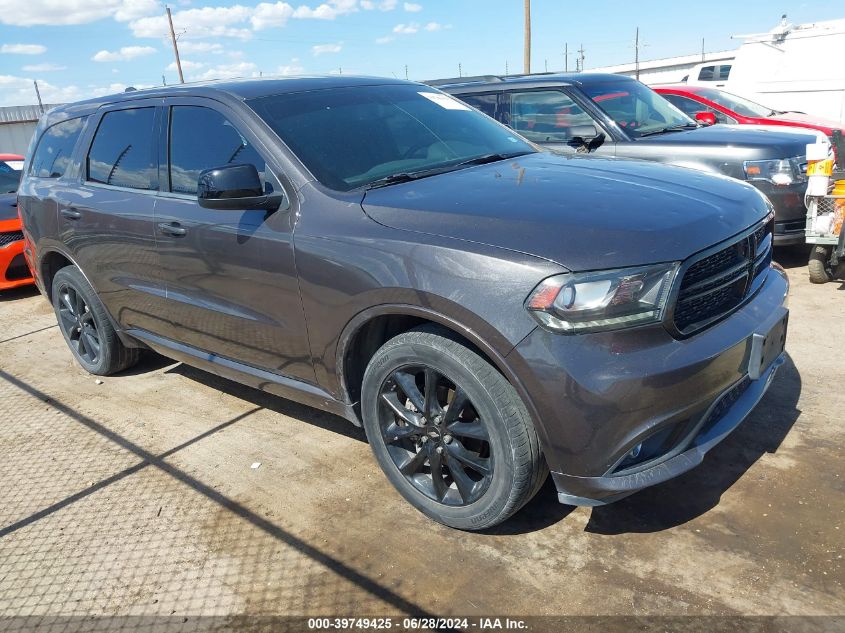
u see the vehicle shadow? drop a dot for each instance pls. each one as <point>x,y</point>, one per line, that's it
<point>22,292</point>
<point>269,401</point>
<point>686,497</point>
<point>792,256</point>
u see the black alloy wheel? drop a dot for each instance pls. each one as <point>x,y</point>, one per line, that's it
<point>78,325</point>
<point>435,436</point>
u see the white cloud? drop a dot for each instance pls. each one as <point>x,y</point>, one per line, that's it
<point>43,68</point>
<point>198,23</point>
<point>384,5</point>
<point>436,26</point>
<point>200,47</point>
<point>385,40</point>
<point>62,12</point>
<point>321,49</point>
<point>406,29</point>
<point>187,65</point>
<point>228,71</point>
<point>328,10</point>
<point>23,49</point>
<point>20,91</point>
<point>268,15</point>
<point>294,68</point>
<point>412,7</point>
<point>125,54</point>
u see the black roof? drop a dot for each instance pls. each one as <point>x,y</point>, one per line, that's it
<point>568,79</point>
<point>240,89</point>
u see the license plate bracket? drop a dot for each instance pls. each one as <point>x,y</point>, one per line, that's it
<point>765,348</point>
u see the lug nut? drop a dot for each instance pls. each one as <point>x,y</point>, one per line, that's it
<point>447,439</point>
<point>424,438</point>
<point>439,450</point>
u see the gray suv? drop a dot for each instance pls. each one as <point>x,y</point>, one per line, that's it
<point>614,115</point>
<point>488,311</point>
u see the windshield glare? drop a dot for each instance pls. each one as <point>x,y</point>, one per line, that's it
<point>350,137</point>
<point>638,110</point>
<point>737,104</point>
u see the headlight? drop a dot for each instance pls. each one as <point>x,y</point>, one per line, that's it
<point>603,300</point>
<point>782,171</point>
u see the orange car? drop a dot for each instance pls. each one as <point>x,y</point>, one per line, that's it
<point>14,271</point>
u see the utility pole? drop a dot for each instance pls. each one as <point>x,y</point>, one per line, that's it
<point>460,70</point>
<point>175,47</point>
<point>406,72</point>
<point>38,94</point>
<point>581,57</point>
<point>526,50</point>
<point>566,57</point>
<point>546,65</point>
<point>702,49</point>
<point>506,68</point>
<point>163,81</point>
<point>637,54</point>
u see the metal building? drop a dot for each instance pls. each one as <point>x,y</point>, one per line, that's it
<point>17,123</point>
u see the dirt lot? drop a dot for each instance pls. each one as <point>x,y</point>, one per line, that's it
<point>136,496</point>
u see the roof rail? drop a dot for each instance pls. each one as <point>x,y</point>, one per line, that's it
<point>462,80</point>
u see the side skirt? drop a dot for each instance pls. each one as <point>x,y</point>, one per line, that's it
<point>279,385</point>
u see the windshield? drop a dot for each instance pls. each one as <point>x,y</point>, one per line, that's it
<point>354,136</point>
<point>737,104</point>
<point>638,110</point>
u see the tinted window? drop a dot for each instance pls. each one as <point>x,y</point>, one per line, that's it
<point>707,73</point>
<point>122,151</point>
<point>636,108</point>
<point>738,104</point>
<point>201,138</point>
<point>9,181</point>
<point>724,72</point>
<point>485,103</point>
<point>352,136</point>
<point>692,107</point>
<point>55,148</point>
<point>549,116</point>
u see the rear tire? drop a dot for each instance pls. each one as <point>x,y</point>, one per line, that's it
<point>469,465</point>
<point>819,265</point>
<point>87,329</point>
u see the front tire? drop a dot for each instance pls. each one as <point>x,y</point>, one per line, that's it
<point>819,265</point>
<point>86,327</point>
<point>449,431</point>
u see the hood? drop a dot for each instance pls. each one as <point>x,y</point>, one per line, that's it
<point>815,123</point>
<point>8,207</point>
<point>783,142</point>
<point>585,213</point>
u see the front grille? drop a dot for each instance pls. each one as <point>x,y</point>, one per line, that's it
<point>11,236</point>
<point>717,283</point>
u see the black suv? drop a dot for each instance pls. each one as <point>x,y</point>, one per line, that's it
<point>380,250</point>
<point>614,115</point>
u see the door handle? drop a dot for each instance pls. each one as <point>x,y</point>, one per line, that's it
<point>71,214</point>
<point>172,228</point>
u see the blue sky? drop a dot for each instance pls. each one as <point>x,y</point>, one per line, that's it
<point>80,48</point>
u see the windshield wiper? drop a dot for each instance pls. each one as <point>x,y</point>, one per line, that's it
<point>489,158</point>
<point>407,176</point>
<point>673,128</point>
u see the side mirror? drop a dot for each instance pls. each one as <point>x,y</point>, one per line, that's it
<point>235,188</point>
<point>705,118</point>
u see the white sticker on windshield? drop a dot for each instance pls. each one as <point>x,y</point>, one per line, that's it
<point>444,101</point>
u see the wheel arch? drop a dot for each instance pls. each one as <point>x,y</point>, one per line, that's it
<point>370,329</point>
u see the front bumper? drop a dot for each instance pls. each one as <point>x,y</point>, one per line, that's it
<point>599,396</point>
<point>790,212</point>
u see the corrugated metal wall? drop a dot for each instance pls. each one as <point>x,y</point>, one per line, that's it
<point>17,123</point>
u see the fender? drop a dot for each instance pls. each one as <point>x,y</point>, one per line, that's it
<point>499,359</point>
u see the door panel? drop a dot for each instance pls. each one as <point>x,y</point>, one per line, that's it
<point>107,219</point>
<point>231,281</point>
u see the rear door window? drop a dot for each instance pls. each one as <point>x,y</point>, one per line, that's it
<point>122,153</point>
<point>200,139</point>
<point>548,116</point>
<point>55,149</point>
<point>484,102</point>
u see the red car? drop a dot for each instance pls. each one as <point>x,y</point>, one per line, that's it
<point>14,271</point>
<point>730,108</point>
